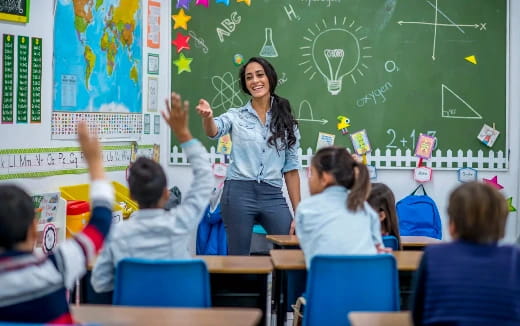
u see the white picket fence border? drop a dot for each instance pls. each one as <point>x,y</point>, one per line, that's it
<point>393,159</point>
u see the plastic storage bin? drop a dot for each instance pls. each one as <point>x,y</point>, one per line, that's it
<point>78,215</point>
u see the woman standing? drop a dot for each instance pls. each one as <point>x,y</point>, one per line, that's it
<point>265,141</point>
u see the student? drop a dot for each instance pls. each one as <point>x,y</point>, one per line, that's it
<point>33,287</point>
<point>336,219</point>
<point>264,154</point>
<point>382,201</point>
<point>152,232</point>
<point>472,280</point>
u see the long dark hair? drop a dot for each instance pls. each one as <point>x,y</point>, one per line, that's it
<point>283,122</point>
<point>382,199</point>
<point>348,173</point>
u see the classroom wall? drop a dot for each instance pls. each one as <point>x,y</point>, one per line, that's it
<point>30,136</point>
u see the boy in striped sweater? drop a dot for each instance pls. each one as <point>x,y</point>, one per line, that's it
<point>33,287</point>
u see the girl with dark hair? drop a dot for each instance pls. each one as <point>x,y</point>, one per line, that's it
<point>336,219</point>
<point>265,141</point>
<point>382,200</point>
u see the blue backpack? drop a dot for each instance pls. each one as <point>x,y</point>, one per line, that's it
<point>419,216</point>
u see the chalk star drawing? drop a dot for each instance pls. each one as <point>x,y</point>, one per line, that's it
<point>227,92</point>
<point>306,104</point>
<point>481,26</point>
<point>335,51</point>
<point>449,112</point>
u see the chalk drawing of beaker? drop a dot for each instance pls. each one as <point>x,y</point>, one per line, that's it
<point>268,50</point>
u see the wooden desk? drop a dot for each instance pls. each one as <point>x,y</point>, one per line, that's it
<point>294,259</point>
<point>291,260</point>
<point>408,242</point>
<point>130,316</point>
<point>401,318</point>
<point>238,264</point>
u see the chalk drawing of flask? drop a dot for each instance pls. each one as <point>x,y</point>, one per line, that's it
<point>268,50</point>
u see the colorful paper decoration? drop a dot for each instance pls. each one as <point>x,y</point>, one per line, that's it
<point>220,170</point>
<point>247,2</point>
<point>181,20</point>
<point>372,172</point>
<point>49,238</point>
<point>226,2</point>
<point>471,59</point>
<point>183,64</point>
<point>238,59</point>
<point>343,124</point>
<point>467,175</point>
<point>493,182</point>
<point>224,145</point>
<point>510,205</point>
<point>204,3</point>
<point>324,140</point>
<point>181,42</point>
<point>183,3</point>
<point>488,135</point>
<point>360,142</point>
<point>424,147</point>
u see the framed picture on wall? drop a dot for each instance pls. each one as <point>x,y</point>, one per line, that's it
<point>153,64</point>
<point>15,11</point>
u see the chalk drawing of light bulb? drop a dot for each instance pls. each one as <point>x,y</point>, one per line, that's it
<point>335,52</point>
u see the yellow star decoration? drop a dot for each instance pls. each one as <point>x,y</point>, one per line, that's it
<point>181,20</point>
<point>248,2</point>
<point>183,64</point>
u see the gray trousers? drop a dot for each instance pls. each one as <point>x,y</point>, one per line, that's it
<point>245,203</point>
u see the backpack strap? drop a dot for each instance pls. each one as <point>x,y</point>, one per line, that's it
<point>421,187</point>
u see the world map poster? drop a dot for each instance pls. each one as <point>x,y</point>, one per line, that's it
<point>98,68</point>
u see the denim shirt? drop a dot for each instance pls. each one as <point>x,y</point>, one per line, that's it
<point>325,226</point>
<point>252,158</point>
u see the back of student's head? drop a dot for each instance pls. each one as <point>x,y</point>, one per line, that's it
<point>382,200</point>
<point>16,215</point>
<point>478,213</point>
<point>147,182</point>
<point>346,171</point>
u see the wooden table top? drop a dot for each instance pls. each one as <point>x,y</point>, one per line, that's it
<point>401,318</point>
<point>130,316</point>
<point>290,259</point>
<point>238,264</point>
<point>406,241</point>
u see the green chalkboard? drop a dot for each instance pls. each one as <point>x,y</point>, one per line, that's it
<point>396,68</point>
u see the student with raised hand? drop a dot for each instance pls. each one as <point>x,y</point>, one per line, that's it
<point>382,200</point>
<point>33,288</point>
<point>472,280</point>
<point>152,232</point>
<point>336,219</point>
<point>265,142</point>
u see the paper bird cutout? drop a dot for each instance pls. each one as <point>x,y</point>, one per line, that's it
<point>510,205</point>
<point>181,20</point>
<point>183,3</point>
<point>471,59</point>
<point>204,3</point>
<point>183,64</point>
<point>248,2</point>
<point>226,2</point>
<point>493,182</point>
<point>181,42</point>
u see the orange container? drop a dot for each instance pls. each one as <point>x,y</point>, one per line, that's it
<point>78,215</point>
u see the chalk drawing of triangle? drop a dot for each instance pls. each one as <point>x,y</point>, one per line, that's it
<point>463,109</point>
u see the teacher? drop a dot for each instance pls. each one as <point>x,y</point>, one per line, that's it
<point>265,142</point>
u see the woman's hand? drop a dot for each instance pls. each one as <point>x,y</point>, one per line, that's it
<point>204,109</point>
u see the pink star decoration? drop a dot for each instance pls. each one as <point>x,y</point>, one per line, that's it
<point>181,42</point>
<point>493,182</point>
<point>204,3</point>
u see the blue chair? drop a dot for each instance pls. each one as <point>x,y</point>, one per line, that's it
<point>162,283</point>
<point>337,285</point>
<point>390,241</point>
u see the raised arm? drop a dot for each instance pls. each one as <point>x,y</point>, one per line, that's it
<point>194,203</point>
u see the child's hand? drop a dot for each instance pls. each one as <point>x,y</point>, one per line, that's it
<point>176,116</point>
<point>92,150</point>
<point>383,250</point>
<point>204,109</point>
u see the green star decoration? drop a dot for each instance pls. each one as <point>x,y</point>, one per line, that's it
<point>510,204</point>
<point>183,64</point>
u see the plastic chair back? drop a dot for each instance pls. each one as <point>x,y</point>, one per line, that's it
<point>390,241</point>
<point>162,283</point>
<point>337,285</point>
